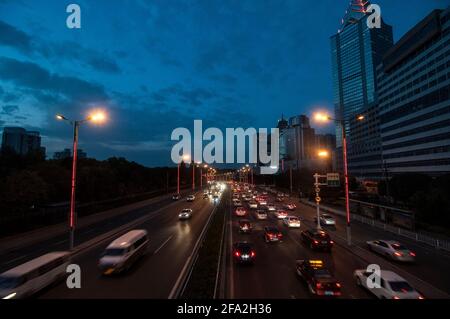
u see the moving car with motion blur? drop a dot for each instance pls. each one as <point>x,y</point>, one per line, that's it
<point>34,275</point>
<point>290,206</point>
<point>392,250</point>
<point>390,285</point>
<point>326,220</point>
<point>245,226</point>
<point>176,196</point>
<point>186,213</point>
<point>123,252</point>
<point>272,234</point>
<point>318,278</point>
<point>240,211</point>
<point>261,214</point>
<point>281,214</point>
<point>271,207</point>
<point>237,202</point>
<point>243,253</point>
<point>317,239</point>
<point>190,198</point>
<point>292,222</point>
<point>253,204</point>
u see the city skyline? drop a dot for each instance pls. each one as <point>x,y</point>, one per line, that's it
<point>71,70</point>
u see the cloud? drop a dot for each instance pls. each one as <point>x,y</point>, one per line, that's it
<point>15,38</point>
<point>32,76</point>
<point>9,109</point>
<point>25,43</point>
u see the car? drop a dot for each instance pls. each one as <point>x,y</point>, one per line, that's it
<point>176,196</point>
<point>240,211</point>
<point>391,249</point>
<point>186,213</point>
<point>205,196</point>
<point>190,198</point>
<point>292,222</point>
<point>271,207</point>
<point>391,285</point>
<point>281,214</point>
<point>245,226</point>
<point>317,239</point>
<point>326,220</point>
<point>272,234</point>
<point>261,214</point>
<point>32,276</point>
<point>290,206</point>
<point>253,204</point>
<point>318,278</point>
<point>243,253</point>
<point>262,202</point>
<point>237,203</point>
<point>123,252</point>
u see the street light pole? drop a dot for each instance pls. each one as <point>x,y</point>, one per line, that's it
<point>72,216</point>
<point>290,177</point>
<point>98,117</point>
<point>347,194</point>
<point>193,176</point>
<point>178,179</point>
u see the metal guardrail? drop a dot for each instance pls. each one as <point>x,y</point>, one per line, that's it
<point>419,237</point>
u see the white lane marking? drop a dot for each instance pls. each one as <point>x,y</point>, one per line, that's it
<point>162,245</point>
<point>59,242</point>
<point>15,259</point>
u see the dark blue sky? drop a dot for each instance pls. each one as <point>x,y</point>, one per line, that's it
<point>157,65</point>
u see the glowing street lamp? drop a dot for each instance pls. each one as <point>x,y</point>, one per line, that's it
<point>96,117</point>
<point>323,153</point>
<point>324,118</point>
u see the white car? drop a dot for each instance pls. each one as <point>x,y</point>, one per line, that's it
<point>391,285</point>
<point>237,203</point>
<point>326,220</point>
<point>391,249</point>
<point>253,204</point>
<point>271,208</point>
<point>281,214</point>
<point>185,214</point>
<point>261,214</point>
<point>292,222</point>
<point>190,198</point>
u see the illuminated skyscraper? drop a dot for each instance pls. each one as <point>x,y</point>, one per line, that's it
<point>356,51</point>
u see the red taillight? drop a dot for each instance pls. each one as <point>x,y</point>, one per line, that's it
<point>396,297</point>
<point>319,285</point>
<point>421,297</point>
<point>398,254</point>
<point>237,254</point>
<point>280,235</point>
<point>252,254</point>
<point>316,242</point>
<point>331,242</point>
<point>338,285</point>
<point>412,254</point>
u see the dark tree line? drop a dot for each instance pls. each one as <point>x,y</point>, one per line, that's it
<point>29,182</point>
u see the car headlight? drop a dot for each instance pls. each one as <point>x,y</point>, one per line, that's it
<point>10,296</point>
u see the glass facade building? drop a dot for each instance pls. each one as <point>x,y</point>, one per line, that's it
<point>414,99</point>
<point>356,50</point>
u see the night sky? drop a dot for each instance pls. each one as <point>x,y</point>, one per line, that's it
<point>159,64</point>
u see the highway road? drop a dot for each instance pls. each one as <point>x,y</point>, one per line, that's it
<point>10,258</point>
<point>273,273</point>
<point>155,275</point>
